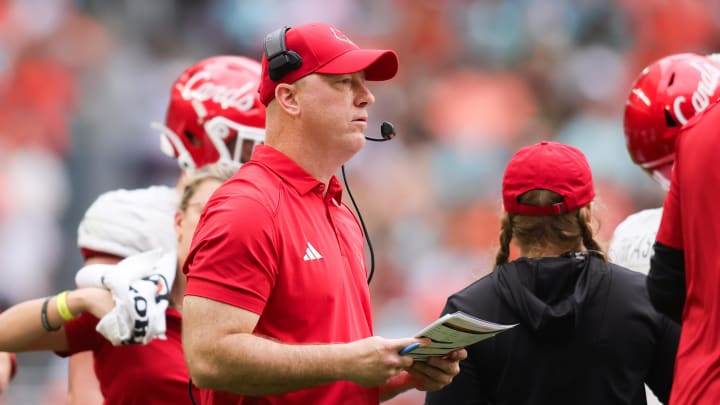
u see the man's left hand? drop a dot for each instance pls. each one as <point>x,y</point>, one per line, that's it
<point>436,372</point>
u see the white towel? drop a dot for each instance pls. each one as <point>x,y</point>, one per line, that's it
<point>140,286</point>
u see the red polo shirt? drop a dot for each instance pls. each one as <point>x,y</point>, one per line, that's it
<point>691,223</point>
<point>271,241</point>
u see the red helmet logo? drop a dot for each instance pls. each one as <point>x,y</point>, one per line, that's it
<point>214,112</point>
<point>200,88</point>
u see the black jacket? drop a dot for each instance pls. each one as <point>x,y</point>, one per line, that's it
<point>587,334</point>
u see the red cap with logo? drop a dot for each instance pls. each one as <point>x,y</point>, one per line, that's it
<point>552,166</point>
<point>323,48</point>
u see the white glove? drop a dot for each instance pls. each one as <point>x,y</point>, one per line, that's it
<point>128,222</point>
<point>140,286</point>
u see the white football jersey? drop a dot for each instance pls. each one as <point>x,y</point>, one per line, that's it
<point>127,222</point>
<point>632,242</point>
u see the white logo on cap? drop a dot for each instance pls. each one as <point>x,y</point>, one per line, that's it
<point>340,36</point>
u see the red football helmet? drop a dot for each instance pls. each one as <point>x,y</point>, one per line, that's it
<point>663,98</point>
<point>214,113</point>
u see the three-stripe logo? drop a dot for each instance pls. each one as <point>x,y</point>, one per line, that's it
<point>311,253</point>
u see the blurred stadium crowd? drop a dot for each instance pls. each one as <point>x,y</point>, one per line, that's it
<point>80,82</point>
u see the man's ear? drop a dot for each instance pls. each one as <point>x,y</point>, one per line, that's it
<point>286,97</point>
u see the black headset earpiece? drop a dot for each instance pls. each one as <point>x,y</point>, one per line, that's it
<point>281,61</point>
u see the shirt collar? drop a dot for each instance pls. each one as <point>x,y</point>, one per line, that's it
<point>293,174</point>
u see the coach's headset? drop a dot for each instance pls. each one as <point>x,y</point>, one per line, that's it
<point>281,61</point>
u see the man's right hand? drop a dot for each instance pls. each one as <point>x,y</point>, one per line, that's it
<point>376,360</point>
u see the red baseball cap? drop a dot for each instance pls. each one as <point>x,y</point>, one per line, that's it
<point>552,166</point>
<point>325,49</point>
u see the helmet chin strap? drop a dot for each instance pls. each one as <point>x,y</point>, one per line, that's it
<point>661,179</point>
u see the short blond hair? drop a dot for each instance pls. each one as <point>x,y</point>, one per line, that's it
<point>220,171</point>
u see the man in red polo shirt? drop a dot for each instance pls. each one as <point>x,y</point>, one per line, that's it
<point>277,306</point>
<point>684,270</point>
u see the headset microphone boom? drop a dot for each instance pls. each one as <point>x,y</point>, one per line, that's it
<point>387,131</point>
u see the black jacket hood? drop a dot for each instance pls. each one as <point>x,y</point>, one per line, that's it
<point>548,294</point>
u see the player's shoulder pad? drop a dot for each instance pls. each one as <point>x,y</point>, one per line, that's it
<point>632,241</point>
<point>641,220</point>
<point>126,222</point>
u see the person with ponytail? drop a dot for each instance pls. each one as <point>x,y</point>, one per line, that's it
<point>586,331</point>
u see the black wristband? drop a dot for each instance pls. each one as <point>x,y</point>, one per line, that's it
<point>44,317</point>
